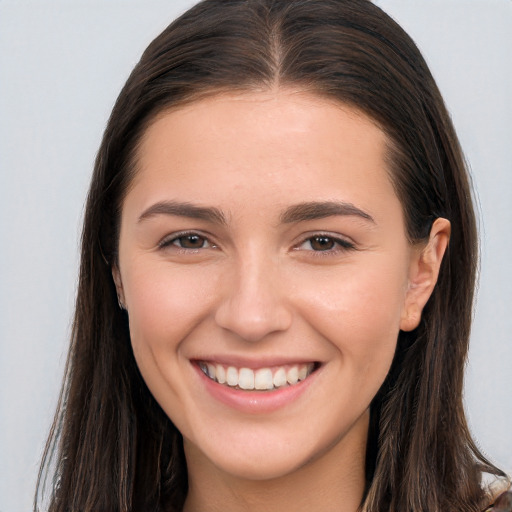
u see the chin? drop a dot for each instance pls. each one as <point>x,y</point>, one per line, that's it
<point>262,466</point>
<point>269,453</point>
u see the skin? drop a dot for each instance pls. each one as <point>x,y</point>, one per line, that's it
<point>257,288</point>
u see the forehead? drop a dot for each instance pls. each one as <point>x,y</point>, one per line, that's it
<point>245,147</point>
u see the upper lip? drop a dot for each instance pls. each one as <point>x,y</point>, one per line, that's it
<point>253,363</point>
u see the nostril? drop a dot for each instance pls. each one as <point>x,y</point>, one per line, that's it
<point>253,322</point>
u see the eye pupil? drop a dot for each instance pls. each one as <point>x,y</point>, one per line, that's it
<point>322,243</point>
<point>191,241</point>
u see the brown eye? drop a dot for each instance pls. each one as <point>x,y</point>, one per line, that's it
<point>322,243</point>
<point>191,241</point>
<point>325,243</point>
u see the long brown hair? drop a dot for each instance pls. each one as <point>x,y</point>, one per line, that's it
<point>111,447</point>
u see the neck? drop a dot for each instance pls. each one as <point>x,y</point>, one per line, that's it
<point>333,481</point>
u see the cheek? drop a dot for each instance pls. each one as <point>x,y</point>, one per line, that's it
<point>166,305</point>
<point>358,310</point>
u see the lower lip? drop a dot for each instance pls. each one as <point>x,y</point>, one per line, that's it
<point>255,402</point>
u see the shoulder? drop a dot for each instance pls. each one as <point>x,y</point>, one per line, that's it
<point>501,492</point>
<point>502,504</point>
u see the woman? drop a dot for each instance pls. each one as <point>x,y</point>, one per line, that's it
<point>277,276</point>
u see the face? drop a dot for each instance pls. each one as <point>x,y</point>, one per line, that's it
<point>266,272</point>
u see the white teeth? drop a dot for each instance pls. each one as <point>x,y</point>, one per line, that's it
<point>292,375</point>
<point>211,370</point>
<point>261,379</point>
<point>220,374</point>
<point>246,378</point>
<point>303,372</point>
<point>280,378</point>
<point>232,376</point>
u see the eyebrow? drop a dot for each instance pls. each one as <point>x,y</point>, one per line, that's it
<point>296,213</point>
<point>319,210</point>
<point>179,209</point>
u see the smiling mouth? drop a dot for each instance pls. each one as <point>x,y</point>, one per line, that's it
<point>261,379</point>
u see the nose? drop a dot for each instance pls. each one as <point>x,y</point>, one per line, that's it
<point>254,304</point>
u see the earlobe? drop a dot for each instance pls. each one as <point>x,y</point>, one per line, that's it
<point>116,275</point>
<point>423,273</point>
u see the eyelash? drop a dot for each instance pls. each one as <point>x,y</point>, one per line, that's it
<point>170,241</point>
<point>339,244</point>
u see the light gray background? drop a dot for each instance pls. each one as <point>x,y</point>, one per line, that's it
<point>62,65</point>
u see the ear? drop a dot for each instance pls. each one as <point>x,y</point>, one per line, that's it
<point>116,274</point>
<point>423,272</point>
